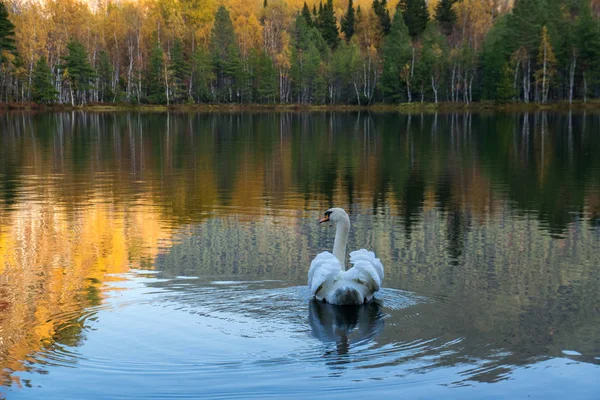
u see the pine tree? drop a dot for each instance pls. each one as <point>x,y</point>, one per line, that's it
<point>42,89</point>
<point>397,55</point>
<point>180,71</point>
<point>105,73</point>
<point>225,56</point>
<point>78,70</point>
<point>265,77</point>
<point>7,31</point>
<point>381,10</point>
<point>505,90</point>
<point>348,21</point>
<point>202,75</point>
<point>416,17</point>
<point>308,50</point>
<point>445,16</point>
<point>328,25</point>
<point>588,49</point>
<point>306,15</point>
<point>155,76</point>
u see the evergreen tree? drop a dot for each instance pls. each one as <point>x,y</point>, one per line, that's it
<point>78,70</point>
<point>225,56</point>
<point>105,73</point>
<point>445,16</point>
<point>505,91</point>
<point>306,15</point>
<point>416,17</point>
<point>7,31</point>
<point>397,55</point>
<point>309,49</point>
<point>265,77</point>
<point>155,76</point>
<point>588,49</point>
<point>494,54</point>
<point>382,12</point>
<point>328,25</point>
<point>42,89</point>
<point>180,72</point>
<point>348,21</point>
<point>202,75</point>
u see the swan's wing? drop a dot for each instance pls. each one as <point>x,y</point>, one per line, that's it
<point>367,269</point>
<point>323,271</point>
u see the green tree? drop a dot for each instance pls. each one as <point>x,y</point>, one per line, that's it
<point>78,71</point>
<point>42,89</point>
<point>155,78</point>
<point>7,31</point>
<point>105,76</point>
<point>225,57</point>
<point>433,58</point>
<point>382,12</point>
<point>587,46</point>
<point>348,21</point>
<point>328,25</point>
<point>264,77</point>
<point>180,72</point>
<point>445,16</point>
<point>505,91</point>
<point>308,50</point>
<point>306,15</point>
<point>416,17</point>
<point>202,75</point>
<point>397,55</point>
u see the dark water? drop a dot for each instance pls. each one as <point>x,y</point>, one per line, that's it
<point>165,256</point>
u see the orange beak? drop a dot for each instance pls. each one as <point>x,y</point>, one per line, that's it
<point>324,219</point>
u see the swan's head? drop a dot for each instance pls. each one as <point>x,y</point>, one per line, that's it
<point>334,215</point>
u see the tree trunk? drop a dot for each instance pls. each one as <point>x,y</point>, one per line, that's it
<point>572,78</point>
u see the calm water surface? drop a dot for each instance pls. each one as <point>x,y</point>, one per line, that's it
<point>165,256</point>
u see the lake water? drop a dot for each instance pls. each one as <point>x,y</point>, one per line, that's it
<point>165,255</point>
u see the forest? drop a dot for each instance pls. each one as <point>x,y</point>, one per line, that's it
<point>359,52</point>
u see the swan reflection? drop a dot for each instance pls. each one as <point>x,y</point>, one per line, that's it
<point>345,325</point>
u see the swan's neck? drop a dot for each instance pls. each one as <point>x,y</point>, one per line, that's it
<point>341,238</point>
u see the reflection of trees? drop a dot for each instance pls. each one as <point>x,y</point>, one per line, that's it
<point>53,262</point>
<point>455,201</point>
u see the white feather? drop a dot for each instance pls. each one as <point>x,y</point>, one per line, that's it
<point>327,279</point>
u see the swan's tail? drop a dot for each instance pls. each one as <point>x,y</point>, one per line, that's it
<point>346,296</point>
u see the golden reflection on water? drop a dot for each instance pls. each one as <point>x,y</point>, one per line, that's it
<point>87,198</point>
<point>53,263</point>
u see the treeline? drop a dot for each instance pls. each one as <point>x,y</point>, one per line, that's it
<point>276,51</point>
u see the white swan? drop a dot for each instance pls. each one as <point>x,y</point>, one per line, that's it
<point>328,279</point>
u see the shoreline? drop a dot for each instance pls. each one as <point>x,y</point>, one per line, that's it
<point>415,107</point>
